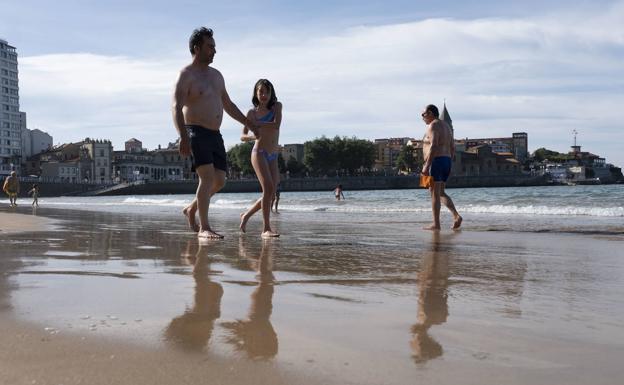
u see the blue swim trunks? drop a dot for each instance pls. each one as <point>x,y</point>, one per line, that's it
<point>441,168</point>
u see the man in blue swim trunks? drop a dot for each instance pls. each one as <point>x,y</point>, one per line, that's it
<point>198,103</point>
<point>438,151</point>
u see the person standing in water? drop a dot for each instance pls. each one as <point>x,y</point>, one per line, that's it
<point>11,187</point>
<point>267,112</point>
<point>34,191</point>
<point>199,100</point>
<point>338,192</point>
<point>276,198</point>
<point>438,151</point>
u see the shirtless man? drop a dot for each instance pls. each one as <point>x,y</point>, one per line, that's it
<point>11,187</point>
<point>198,103</point>
<point>438,150</point>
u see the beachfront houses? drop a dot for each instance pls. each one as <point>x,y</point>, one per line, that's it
<point>136,163</point>
<point>574,167</point>
<point>516,145</point>
<point>387,151</point>
<point>86,161</point>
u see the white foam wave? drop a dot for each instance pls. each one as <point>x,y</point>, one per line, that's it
<point>477,209</point>
<point>355,207</point>
<point>155,202</point>
<point>546,210</point>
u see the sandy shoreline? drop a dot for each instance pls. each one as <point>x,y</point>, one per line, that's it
<point>111,298</point>
<point>17,222</point>
<point>32,355</point>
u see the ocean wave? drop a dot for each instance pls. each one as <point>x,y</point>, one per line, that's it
<point>546,210</point>
<point>347,207</point>
<point>155,202</point>
<point>477,209</point>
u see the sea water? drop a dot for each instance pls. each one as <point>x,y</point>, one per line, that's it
<point>537,209</point>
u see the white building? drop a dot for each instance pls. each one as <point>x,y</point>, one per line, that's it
<point>34,142</point>
<point>10,117</point>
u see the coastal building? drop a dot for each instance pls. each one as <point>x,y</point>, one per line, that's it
<point>387,151</point>
<point>63,163</point>
<point>170,165</point>
<point>10,117</point>
<point>131,166</point>
<point>417,152</point>
<point>482,161</point>
<point>294,151</point>
<point>137,163</point>
<point>584,158</point>
<point>133,145</point>
<point>34,142</point>
<point>100,155</point>
<point>63,171</point>
<point>517,144</point>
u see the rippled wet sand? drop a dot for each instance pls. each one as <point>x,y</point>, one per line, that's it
<point>347,301</point>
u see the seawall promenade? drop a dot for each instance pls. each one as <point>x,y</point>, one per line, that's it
<point>49,189</point>
<point>291,184</point>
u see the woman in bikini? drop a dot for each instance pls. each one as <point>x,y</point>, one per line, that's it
<point>267,112</point>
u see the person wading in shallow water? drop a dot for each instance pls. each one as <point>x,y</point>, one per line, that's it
<point>11,187</point>
<point>198,103</point>
<point>438,150</point>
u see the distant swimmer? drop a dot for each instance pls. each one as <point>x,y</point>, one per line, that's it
<point>267,113</point>
<point>198,103</point>
<point>338,192</point>
<point>11,187</point>
<point>438,151</point>
<point>34,191</point>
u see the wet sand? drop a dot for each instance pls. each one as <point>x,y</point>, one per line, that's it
<point>14,223</point>
<point>109,298</point>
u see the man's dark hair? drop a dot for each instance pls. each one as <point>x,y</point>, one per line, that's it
<point>434,110</point>
<point>197,38</point>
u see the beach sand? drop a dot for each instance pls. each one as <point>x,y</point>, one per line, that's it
<point>134,299</point>
<point>13,223</point>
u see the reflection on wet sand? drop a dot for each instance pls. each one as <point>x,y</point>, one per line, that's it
<point>255,335</point>
<point>193,329</point>
<point>432,301</point>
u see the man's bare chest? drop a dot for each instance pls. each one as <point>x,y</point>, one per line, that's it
<point>203,89</point>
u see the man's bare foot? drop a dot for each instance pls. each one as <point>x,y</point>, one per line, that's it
<point>457,223</point>
<point>190,217</point>
<point>209,234</point>
<point>432,227</point>
<point>243,222</point>
<point>270,234</point>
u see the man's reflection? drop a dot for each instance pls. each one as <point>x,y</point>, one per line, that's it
<point>255,335</point>
<point>193,329</point>
<point>432,301</point>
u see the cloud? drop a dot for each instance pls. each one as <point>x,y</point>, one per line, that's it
<point>544,75</point>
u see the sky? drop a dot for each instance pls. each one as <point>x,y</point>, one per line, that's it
<point>106,69</point>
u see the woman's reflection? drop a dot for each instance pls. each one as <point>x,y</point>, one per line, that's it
<point>255,335</point>
<point>432,301</point>
<point>193,329</point>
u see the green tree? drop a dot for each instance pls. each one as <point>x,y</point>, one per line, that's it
<point>294,167</point>
<point>239,158</point>
<point>542,153</point>
<point>319,156</point>
<point>405,161</point>
<point>353,153</point>
<point>281,165</point>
